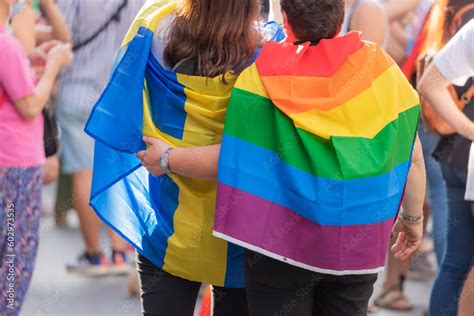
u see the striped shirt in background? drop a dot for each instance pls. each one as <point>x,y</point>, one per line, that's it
<point>82,83</point>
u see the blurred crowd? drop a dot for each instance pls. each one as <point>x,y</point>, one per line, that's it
<point>55,60</point>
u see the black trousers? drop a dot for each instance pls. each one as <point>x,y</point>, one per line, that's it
<point>163,294</point>
<point>275,288</point>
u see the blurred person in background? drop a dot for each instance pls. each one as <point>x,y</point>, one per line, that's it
<point>39,21</point>
<point>50,25</point>
<point>454,65</point>
<point>53,27</point>
<point>97,29</point>
<point>22,98</point>
<point>376,29</point>
<point>398,9</point>
<point>407,19</point>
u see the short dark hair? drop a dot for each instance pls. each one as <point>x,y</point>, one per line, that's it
<point>313,20</point>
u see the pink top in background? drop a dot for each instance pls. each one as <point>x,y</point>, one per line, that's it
<point>21,141</point>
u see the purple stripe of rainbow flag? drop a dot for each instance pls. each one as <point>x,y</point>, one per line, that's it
<point>283,234</point>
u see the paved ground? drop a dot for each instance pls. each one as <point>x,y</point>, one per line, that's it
<point>56,293</point>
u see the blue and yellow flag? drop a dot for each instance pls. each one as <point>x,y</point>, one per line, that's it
<point>168,219</point>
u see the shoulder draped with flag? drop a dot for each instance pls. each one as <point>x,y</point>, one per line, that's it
<point>168,219</point>
<point>315,155</point>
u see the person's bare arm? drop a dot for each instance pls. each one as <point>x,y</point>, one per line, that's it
<point>396,9</point>
<point>397,44</point>
<point>433,86</point>
<point>409,235</point>
<point>373,29</point>
<point>416,183</point>
<point>275,11</point>
<point>57,28</point>
<point>23,26</point>
<point>197,162</point>
<point>31,106</point>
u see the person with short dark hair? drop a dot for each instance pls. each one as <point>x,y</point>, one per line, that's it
<point>295,192</point>
<point>307,26</point>
<point>320,141</point>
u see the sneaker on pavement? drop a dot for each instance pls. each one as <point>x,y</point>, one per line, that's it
<point>90,265</point>
<point>119,265</point>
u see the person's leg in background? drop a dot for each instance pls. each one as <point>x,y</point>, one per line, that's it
<point>163,293</point>
<point>458,257</point>
<point>392,296</point>
<point>51,169</point>
<point>77,156</point>
<point>63,199</point>
<point>20,211</point>
<point>91,224</point>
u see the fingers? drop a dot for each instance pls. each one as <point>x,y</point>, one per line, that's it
<point>141,154</point>
<point>411,247</point>
<point>150,157</point>
<point>150,141</point>
<point>405,246</point>
<point>405,253</point>
<point>149,164</point>
<point>47,46</point>
<point>400,245</point>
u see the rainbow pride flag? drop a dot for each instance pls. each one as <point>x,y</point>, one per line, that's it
<point>168,219</point>
<point>315,155</point>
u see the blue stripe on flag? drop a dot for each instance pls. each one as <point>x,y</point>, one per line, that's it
<point>261,172</point>
<point>164,194</point>
<point>167,99</point>
<point>235,266</point>
<point>121,103</point>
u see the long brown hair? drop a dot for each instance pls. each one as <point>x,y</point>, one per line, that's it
<point>218,34</point>
<point>441,22</point>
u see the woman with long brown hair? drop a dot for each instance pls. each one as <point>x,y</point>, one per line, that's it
<point>187,55</point>
<point>207,39</point>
